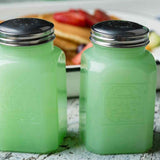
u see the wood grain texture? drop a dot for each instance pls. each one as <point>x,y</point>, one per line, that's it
<point>72,150</point>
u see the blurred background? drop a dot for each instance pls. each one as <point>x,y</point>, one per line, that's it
<point>147,7</point>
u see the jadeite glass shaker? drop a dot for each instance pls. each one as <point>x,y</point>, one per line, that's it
<point>32,87</point>
<point>117,91</point>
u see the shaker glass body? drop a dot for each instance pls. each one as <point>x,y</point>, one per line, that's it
<point>31,117</point>
<point>117,98</point>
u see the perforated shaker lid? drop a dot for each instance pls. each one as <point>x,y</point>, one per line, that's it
<point>118,33</point>
<point>26,32</point>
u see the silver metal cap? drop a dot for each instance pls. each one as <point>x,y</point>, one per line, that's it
<point>119,34</point>
<point>26,32</point>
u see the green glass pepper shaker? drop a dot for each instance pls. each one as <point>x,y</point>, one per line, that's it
<point>117,91</point>
<point>32,87</point>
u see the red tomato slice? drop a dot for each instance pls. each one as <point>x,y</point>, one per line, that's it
<point>77,59</point>
<point>80,17</point>
<point>73,18</point>
<point>101,16</point>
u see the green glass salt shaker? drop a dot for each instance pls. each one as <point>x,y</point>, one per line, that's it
<point>32,87</point>
<point>117,91</point>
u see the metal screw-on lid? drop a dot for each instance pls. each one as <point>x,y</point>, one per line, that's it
<point>26,32</point>
<point>120,34</point>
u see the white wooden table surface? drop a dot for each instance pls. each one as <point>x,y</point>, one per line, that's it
<point>72,150</point>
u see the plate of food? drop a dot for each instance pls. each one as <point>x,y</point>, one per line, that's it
<point>72,29</point>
